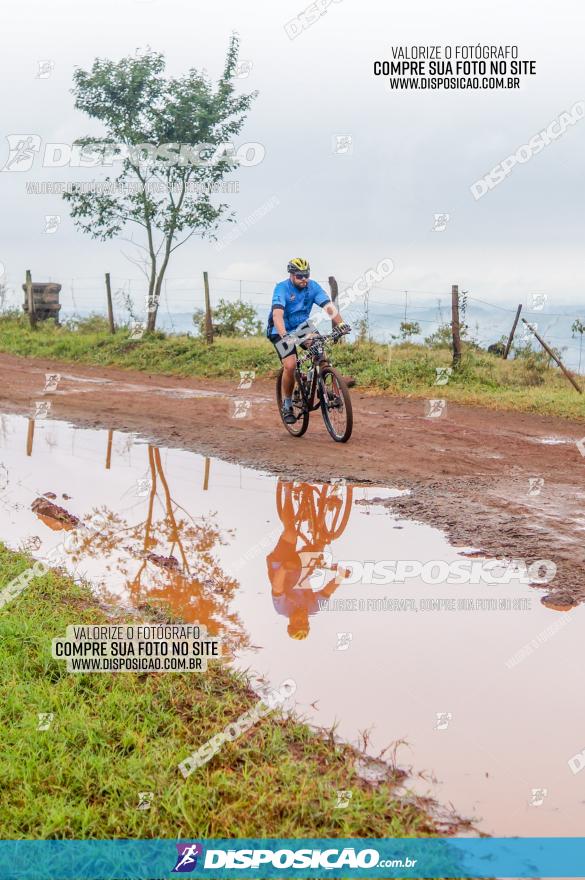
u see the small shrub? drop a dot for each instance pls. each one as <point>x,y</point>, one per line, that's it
<point>94,323</point>
<point>230,319</point>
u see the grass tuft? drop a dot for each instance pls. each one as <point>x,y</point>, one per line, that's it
<point>115,735</point>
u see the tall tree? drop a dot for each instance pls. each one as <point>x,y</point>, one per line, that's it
<point>172,137</point>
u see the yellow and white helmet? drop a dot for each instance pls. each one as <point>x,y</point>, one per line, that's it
<point>298,264</point>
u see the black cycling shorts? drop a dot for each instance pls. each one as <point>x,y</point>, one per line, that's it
<point>276,338</point>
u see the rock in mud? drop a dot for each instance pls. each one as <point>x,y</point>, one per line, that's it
<point>45,508</point>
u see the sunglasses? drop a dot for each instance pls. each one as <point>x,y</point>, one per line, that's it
<point>301,275</point>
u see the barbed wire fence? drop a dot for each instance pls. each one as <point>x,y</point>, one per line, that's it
<point>376,315</point>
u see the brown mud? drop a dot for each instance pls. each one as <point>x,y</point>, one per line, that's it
<point>509,484</point>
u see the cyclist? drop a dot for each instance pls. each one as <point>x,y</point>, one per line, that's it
<point>292,593</point>
<point>292,302</point>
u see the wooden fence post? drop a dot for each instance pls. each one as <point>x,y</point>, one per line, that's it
<point>110,307</point>
<point>455,324</point>
<point>32,315</point>
<point>512,331</point>
<point>30,436</point>
<point>208,318</point>
<point>109,449</point>
<point>555,357</point>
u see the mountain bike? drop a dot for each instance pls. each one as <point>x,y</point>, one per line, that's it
<point>318,386</point>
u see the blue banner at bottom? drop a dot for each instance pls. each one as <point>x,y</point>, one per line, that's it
<point>296,857</point>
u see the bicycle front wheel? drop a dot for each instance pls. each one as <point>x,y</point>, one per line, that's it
<point>298,427</point>
<point>335,405</point>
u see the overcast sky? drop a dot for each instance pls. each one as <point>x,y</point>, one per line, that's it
<point>414,154</point>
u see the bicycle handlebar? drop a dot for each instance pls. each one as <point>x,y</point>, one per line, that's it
<point>334,336</point>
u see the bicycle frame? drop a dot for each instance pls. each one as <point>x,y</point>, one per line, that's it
<point>318,360</point>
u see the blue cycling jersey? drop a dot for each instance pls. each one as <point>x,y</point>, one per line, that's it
<point>297,304</point>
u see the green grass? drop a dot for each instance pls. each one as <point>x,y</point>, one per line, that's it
<point>114,735</point>
<point>525,384</point>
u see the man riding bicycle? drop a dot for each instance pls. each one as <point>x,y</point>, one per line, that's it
<point>292,302</point>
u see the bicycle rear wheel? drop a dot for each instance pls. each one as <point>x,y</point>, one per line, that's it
<point>335,405</point>
<point>335,509</point>
<point>297,428</point>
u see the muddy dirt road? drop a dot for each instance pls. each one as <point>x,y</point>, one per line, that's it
<point>509,484</point>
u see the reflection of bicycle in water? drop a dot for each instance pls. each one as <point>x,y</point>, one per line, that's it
<point>324,510</point>
<point>312,517</point>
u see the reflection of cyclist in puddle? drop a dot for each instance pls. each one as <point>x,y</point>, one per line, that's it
<point>297,576</point>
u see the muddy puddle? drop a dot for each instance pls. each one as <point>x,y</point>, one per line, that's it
<point>483,695</point>
<point>62,384</point>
